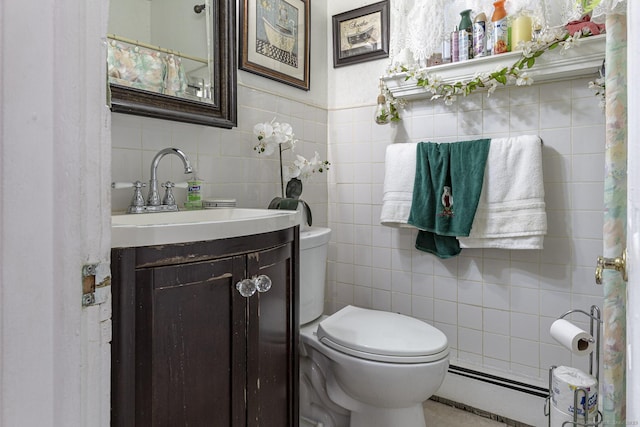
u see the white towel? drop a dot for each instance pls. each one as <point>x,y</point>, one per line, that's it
<point>511,211</point>
<point>399,174</point>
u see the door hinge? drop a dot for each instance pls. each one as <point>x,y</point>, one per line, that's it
<point>95,281</point>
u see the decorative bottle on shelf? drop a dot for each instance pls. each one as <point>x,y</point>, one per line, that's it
<point>446,50</point>
<point>500,28</point>
<point>455,44</point>
<point>465,36</point>
<point>480,35</point>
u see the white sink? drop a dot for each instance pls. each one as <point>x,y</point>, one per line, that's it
<point>131,230</point>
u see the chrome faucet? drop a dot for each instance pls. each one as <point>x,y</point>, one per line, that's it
<point>154,203</point>
<point>153,198</point>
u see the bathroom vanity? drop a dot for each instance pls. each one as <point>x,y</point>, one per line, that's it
<point>188,348</point>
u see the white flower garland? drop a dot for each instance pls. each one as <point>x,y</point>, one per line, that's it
<point>515,74</point>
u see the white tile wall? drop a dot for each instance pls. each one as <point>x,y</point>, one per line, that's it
<point>224,158</point>
<point>495,306</point>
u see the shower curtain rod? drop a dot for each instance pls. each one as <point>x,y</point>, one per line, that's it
<point>158,48</point>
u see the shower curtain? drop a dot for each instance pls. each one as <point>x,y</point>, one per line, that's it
<point>615,218</point>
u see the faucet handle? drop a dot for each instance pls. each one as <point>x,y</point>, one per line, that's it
<point>121,185</point>
<point>138,198</point>
<point>168,194</point>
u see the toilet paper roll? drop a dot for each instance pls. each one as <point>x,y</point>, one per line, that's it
<point>572,337</point>
<point>558,418</point>
<point>564,382</point>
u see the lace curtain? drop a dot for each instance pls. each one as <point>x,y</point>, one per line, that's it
<point>419,27</point>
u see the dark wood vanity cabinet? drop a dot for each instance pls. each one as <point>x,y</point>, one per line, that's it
<point>189,350</point>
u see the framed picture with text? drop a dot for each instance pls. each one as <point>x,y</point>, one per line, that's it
<point>275,40</point>
<point>361,34</point>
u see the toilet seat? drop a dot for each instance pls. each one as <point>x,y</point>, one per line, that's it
<point>382,336</point>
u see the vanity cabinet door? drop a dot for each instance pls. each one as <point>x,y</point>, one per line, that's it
<point>189,350</point>
<point>272,349</point>
<point>190,345</point>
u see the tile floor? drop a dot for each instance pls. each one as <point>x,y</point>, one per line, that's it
<point>442,415</point>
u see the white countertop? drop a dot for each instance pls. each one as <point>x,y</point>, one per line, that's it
<point>133,230</point>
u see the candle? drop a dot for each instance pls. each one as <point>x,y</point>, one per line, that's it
<point>520,31</point>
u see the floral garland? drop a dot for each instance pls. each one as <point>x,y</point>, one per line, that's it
<point>448,92</point>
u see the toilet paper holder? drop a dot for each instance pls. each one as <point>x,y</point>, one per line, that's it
<point>594,369</point>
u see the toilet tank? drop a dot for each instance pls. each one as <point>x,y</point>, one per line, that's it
<point>314,242</point>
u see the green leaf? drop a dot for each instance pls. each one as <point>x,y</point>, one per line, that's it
<point>530,62</point>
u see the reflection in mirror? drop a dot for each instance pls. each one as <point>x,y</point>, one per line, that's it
<point>173,59</point>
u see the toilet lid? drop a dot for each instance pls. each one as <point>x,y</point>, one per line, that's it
<point>382,336</point>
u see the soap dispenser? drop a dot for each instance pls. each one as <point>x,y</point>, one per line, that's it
<point>194,193</point>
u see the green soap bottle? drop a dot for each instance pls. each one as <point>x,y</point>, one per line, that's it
<point>194,193</point>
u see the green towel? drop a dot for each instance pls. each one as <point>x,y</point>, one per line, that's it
<point>446,191</point>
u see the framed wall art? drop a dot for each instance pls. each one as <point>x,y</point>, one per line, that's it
<point>361,34</point>
<point>275,40</point>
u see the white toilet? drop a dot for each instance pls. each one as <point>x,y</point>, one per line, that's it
<point>361,367</point>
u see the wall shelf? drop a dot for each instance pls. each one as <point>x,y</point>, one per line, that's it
<point>583,60</point>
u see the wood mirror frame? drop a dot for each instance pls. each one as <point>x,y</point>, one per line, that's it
<point>223,111</point>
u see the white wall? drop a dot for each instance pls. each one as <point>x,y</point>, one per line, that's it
<point>353,85</point>
<point>319,85</point>
<point>495,306</point>
<point>133,19</point>
<point>224,159</point>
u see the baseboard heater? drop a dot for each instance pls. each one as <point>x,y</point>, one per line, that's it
<point>499,381</point>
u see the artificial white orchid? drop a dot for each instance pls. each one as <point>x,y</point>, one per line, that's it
<point>274,136</point>
<point>303,168</point>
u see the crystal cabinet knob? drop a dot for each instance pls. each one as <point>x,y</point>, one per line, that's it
<point>248,287</point>
<point>263,283</point>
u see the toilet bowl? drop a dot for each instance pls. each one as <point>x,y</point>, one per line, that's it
<point>362,367</point>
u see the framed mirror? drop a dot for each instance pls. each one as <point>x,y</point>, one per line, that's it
<point>173,60</point>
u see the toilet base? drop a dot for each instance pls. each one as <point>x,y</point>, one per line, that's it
<point>369,416</point>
